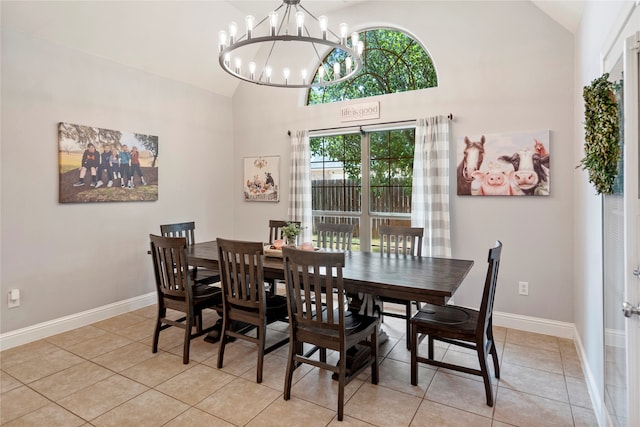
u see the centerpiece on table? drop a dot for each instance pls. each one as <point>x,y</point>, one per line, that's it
<point>291,231</point>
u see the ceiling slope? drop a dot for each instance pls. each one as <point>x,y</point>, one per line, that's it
<point>175,39</point>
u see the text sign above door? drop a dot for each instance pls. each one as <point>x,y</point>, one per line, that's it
<point>361,111</point>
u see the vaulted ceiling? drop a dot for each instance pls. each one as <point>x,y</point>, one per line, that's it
<point>177,39</point>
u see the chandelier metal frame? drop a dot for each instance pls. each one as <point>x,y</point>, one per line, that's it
<point>278,32</point>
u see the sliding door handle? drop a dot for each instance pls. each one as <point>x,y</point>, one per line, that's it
<point>629,309</point>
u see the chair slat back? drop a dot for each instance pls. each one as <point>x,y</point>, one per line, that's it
<point>401,240</point>
<point>335,236</point>
<point>171,266</point>
<point>315,290</point>
<point>488,295</point>
<point>182,229</point>
<point>242,275</point>
<point>275,228</point>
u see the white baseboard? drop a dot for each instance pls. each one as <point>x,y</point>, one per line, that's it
<point>615,338</point>
<point>597,399</point>
<point>63,324</point>
<point>46,329</point>
<point>561,330</point>
<point>534,324</point>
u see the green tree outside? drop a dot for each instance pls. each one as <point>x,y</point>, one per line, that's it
<point>392,62</point>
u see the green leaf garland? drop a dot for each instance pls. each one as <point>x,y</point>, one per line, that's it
<point>601,147</point>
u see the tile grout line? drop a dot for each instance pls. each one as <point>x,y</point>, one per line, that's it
<point>498,385</point>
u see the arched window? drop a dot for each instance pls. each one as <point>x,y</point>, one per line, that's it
<point>392,62</point>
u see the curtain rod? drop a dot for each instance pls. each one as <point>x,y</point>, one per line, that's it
<point>449,116</point>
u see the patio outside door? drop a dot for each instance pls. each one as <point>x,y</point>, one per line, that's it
<point>622,259</point>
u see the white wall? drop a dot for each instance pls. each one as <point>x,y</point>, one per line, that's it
<point>599,22</point>
<point>68,258</point>
<point>502,67</point>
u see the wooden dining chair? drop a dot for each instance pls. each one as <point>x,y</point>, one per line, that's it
<point>245,303</point>
<point>176,290</point>
<point>322,320</point>
<point>461,326</point>
<point>400,241</point>
<point>187,230</point>
<point>335,236</point>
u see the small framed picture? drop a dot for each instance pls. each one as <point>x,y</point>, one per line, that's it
<point>262,179</point>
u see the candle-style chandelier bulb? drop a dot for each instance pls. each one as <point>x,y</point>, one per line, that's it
<point>344,30</point>
<point>222,40</point>
<point>233,31</point>
<point>324,25</point>
<point>267,73</point>
<point>250,21</point>
<point>336,70</point>
<point>252,70</point>
<point>300,22</point>
<point>273,23</point>
<point>354,39</point>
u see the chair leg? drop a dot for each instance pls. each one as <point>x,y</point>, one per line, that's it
<point>187,338</point>
<point>492,349</point>
<point>494,356</point>
<point>430,348</point>
<point>342,373</point>
<point>199,321</point>
<point>261,339</point>
<point>156,333</point>
<point>482,358</point>
<point>223,341</point>
<point>408,326</point>
<point>299,349</point>
<point>414,355</point>
<point>291,366</point>
<point>374,351</point>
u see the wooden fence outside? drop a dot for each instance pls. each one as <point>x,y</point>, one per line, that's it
<point>344,195</point>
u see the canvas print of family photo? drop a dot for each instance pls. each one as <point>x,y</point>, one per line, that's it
<point>105,165</point>
<point>504,164</point>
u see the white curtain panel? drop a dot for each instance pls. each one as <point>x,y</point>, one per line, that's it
<point>430,192</point>
<point>300,183</point>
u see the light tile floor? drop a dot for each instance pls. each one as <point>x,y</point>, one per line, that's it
<point>106,375</point>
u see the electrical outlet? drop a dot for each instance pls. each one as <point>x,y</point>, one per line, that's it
<point>13,298</point>
<point>523,288</point>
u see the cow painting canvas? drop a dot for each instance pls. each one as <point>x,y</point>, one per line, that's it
<point>504,164</point>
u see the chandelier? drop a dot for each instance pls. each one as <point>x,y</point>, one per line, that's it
<point>283,37</point>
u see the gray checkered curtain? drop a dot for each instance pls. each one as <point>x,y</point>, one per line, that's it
<point>430,192</point>
<point>300,183</point>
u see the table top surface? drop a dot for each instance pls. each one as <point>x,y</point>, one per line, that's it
<point>425,279</point>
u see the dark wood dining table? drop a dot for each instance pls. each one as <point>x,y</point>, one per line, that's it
<point>424,279</point>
